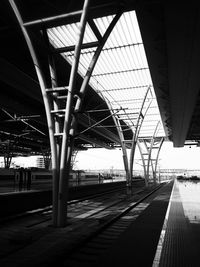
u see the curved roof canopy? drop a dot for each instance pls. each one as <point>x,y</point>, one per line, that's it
<point>121,75</point>
<point>119,82</point>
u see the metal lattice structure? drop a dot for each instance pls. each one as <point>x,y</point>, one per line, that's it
<point>109,54</point>
<point>149,148</point>
<point>121,75</point>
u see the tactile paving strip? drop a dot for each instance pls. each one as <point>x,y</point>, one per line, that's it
<point>177,250</point>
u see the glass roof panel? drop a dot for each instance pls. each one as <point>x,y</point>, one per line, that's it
<point>68,34</point>
<point>121,75</point>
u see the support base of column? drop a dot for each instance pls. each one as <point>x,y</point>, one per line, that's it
<point>128,189</point>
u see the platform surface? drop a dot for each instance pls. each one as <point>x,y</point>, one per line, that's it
<point>180,240</point>
<point>48,244</point>
<point>137,246</point>
<point>166,234</point>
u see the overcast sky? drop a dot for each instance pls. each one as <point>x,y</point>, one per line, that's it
<point>170,157</point>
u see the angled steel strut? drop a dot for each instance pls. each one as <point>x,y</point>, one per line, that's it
<point>149,150</point>
<point>130,144</point>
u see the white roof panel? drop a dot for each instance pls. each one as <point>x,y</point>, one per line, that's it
<point>121,75</point>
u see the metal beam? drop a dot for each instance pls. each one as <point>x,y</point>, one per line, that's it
<point>47,104</point>
<point>143,163</point>
<point>137,131</point>
<point>98,122</point>
<point>105,133</point>
<point>94,141</point>
<point>66,147</point>
<point>95,30</point>
<point>71,48</point>
<point>61,158</point>
<point>122,89</point>
<point>157,157</point>
<point>123,146</point>
<point>118,72</point>
<point>63,17</point>
<point>150,150</point>
<point>95,58</point>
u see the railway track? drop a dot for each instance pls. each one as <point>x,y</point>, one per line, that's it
<point>111,225</point>
<point>93,226</point>
<point>48,209</point>
<point>101,217</point>
<point>85,207</point>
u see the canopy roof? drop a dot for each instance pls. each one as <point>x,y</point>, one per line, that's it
<point>119,81</point>
<point>171,40</point>
<point>121,75</point>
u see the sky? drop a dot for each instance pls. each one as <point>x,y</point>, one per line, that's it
<point>170,158</point>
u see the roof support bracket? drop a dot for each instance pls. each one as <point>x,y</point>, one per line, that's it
<point>149,151</point>
<point>62,147</point>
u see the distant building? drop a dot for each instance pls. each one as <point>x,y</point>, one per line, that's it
<point>40,162</point>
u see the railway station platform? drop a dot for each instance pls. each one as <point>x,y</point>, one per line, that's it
<point>179,240</point>
<point>163,231</point>
<point>35,199</point>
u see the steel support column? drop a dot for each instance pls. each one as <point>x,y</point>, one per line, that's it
<point>151,144</point>
<point>136,134</point>
<point>128,164</point>
<point>67,144</point>
<point>143,163</point>
<point>62,134</point>
<point>54,105</point>
<point>150,150</point>
<point>58,161</point>
<point>157,157</point>
<point>123,145</point>
<point>47,104</point>
<point>7,151</point>
<point>47,158</point>
<point>7,160</point>
<point>65,168</point>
